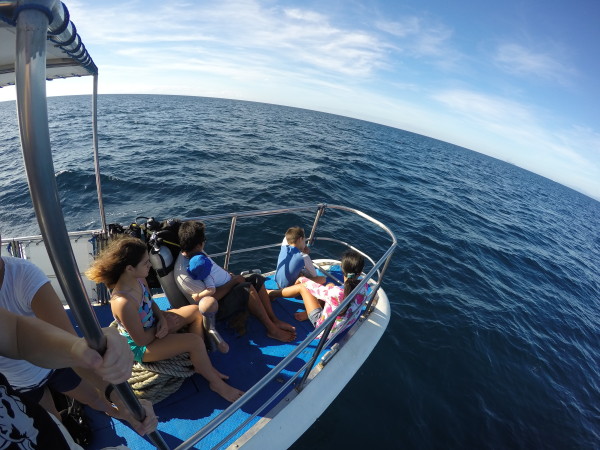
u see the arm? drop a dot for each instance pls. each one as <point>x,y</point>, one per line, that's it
<point>162,325</point>
<point>48,346</point>
<point>224,289</point>
<point>208,292</point>
<point>46,306</point>
<point>126,311</point>
<point>115,364</point>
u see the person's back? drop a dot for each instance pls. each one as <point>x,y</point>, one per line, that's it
<point>291,261</point>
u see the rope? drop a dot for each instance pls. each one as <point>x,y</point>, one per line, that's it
<point>157,380</point>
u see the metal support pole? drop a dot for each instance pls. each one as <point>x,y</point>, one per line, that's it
<point>96,159</point>
<point>32,111</point>
<point>230,242</point>
<point>313,231</point>
<point>315,355</point>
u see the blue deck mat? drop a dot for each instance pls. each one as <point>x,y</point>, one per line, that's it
<point>191,407</point>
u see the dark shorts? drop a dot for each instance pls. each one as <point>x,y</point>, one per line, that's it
<point>61,380</point>
<point>236,301</point>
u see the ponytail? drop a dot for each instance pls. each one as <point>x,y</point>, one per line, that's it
<point>352,267</point>
<point>349,286</point>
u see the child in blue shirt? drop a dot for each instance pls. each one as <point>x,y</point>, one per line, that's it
<point>294,261</point>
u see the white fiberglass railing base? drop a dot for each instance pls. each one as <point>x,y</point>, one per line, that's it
<point>374,277</point>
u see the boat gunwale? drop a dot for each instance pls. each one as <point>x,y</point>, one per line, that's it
<point>324,328</point>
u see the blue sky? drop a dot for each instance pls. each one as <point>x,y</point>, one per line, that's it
<point>517,80</point>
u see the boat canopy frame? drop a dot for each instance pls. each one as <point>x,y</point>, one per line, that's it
<point>34,21</point>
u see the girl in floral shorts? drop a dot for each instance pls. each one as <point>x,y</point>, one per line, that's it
<point>321,301</point>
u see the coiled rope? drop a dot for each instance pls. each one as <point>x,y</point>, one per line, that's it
<point>155,381</point>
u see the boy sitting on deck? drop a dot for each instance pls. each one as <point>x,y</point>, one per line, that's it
<point>293,262</point>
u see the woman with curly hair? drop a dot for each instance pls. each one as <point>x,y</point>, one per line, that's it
<point>153,334</point>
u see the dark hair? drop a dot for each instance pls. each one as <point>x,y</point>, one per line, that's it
<point>111,263</point>
<point>352,263</point>
<point>293,234</point>
<point>191,234</point>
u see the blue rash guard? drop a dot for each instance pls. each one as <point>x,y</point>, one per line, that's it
<point>289,265</point>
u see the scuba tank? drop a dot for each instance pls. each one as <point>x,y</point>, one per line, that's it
<point>163,262</point>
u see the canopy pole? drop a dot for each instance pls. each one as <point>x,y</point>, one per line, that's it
<point>96,159</point>
<point>32,111</point>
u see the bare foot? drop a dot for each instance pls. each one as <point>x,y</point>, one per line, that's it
<point>281,335</point>
<point>229,393</point>
<point>301,316</point>
<point>222,376</point>
<point>284,326</point>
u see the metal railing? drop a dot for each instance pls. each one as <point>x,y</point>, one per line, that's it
<point>379,268</point>
<point>375,275</point>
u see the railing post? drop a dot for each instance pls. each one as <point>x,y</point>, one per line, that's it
<point>376,287</point>
<point>315,355</point>
<point>96,158</point>
<point>313,231</point>
<point>230,242</point>
<point>32,111</point>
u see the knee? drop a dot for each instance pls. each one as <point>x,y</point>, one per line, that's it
<point>195,340</point>
<point>209,304</point>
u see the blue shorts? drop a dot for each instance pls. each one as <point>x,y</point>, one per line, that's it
<point>61,380</point>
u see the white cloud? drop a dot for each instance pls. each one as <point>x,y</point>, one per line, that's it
<point>519,60</point>
<point>522,125</point>
<point>304,15</point>
<point>285,36</point>
<point>420,38</point>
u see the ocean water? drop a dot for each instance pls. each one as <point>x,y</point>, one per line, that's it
<point>494,340</point>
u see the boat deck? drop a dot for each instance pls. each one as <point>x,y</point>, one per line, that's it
<point>250,357</point>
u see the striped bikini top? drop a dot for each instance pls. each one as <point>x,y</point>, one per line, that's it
<point>145,312</point>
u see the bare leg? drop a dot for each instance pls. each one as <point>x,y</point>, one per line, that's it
<point>301,316</point>
<point>89,395</point>
<point>174,344</point>
<point>310,301</point>
<point>318,279</point>
<point>47,403</point>
<point>186,315</point>
<point>264,298</point>
<point>257,308</point>
<point>290,292</point>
